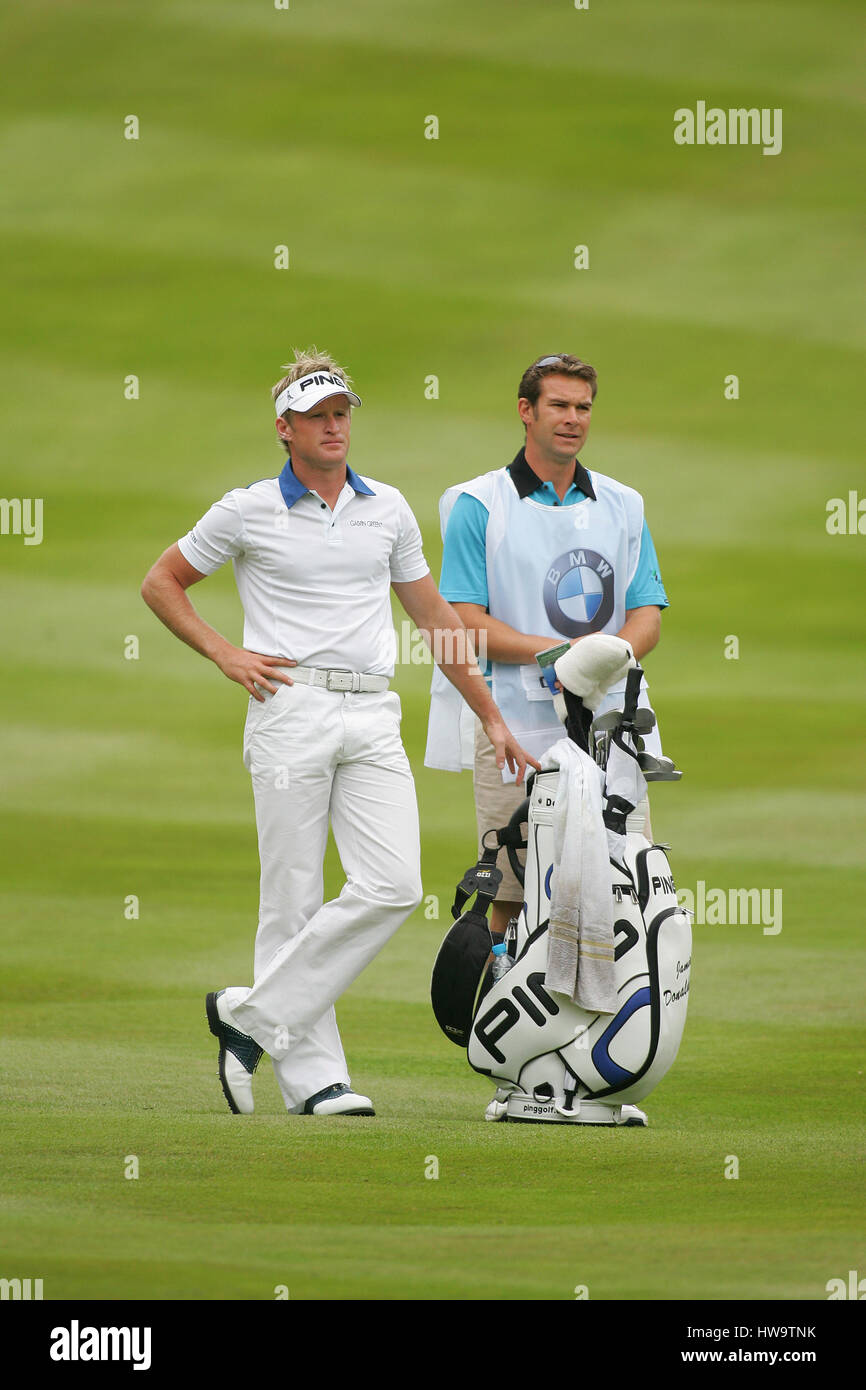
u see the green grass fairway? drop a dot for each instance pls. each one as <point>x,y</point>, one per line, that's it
<point>411,258</point>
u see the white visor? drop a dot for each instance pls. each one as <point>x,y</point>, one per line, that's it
<point>307,391</point>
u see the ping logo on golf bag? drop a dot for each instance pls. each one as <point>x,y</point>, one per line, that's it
<point>664,884</point>
<point>506,1012</point>
<point>631,934</point>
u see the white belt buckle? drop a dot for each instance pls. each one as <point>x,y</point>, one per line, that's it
<point>342,680</point>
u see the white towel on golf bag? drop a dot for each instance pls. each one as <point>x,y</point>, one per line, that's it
<point>623,778</point>
<point>580,938</point>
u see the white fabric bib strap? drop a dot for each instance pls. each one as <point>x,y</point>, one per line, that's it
<point>333,679</point>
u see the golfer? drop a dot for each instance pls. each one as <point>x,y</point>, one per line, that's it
<point>315,553</point>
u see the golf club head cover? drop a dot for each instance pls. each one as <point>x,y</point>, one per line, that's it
<point>576,717</point>
<point>593,665</point>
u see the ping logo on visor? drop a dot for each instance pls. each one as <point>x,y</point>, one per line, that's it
<point>308,390</point>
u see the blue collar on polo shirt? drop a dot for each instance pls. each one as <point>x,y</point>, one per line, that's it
<point>292,488</point>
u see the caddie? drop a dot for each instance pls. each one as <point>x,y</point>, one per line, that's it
<point>315,553</point>
<point>535,554</point>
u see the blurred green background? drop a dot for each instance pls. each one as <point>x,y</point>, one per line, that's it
<point>411,257</point>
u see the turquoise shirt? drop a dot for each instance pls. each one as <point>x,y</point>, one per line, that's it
<point>464,556</point>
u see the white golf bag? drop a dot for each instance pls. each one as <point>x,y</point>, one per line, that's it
<point>552,1060</point>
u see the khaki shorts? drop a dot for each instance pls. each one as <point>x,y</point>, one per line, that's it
<point>495,803</point>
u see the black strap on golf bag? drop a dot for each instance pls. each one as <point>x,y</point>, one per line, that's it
<point>460,976</point>
<point>511,838</point>
<point>482,879</point>
<point>461,964</point>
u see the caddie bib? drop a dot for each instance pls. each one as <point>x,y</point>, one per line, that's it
<point>558,571</point>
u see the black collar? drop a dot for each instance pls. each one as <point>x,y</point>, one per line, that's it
<point>526,481</point>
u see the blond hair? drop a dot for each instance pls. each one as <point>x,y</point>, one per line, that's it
<point>306,360</point>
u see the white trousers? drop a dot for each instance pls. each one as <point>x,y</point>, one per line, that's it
<point>315,754</point>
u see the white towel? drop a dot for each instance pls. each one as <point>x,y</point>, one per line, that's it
<point>580,938</point>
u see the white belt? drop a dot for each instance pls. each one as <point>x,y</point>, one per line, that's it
<point>337,679</point>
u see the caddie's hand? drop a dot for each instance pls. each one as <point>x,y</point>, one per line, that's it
<point>507,749</point>
<point>253,670</point>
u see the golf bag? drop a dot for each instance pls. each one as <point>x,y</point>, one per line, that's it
<point>553,1060</point>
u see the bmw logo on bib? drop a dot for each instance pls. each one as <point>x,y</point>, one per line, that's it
<point>578,592</point>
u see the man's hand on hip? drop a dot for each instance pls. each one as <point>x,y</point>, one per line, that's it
<point>164,590</point>
<point>252,669</point>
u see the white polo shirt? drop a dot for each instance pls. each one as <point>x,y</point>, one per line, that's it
<point>314,584</point>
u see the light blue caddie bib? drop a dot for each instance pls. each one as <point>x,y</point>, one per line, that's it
<point>557,571</point>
